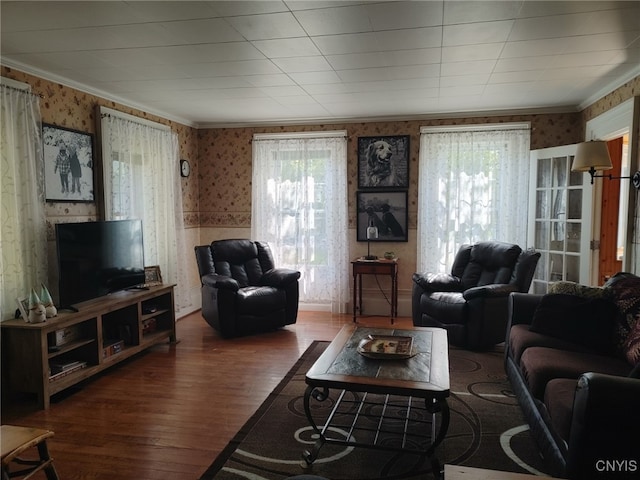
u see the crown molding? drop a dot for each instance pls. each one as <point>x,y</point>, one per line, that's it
<point>610,87</point>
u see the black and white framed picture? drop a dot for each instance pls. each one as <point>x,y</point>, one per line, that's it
<point>68,164</point>
<point>383,162</point>
<point>385,210</point>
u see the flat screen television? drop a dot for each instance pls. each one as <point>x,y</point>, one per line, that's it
<point>98,258</point>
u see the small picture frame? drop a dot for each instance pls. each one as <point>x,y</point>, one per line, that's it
<point>383,162</point>
<point>23,307</point>
<point>384,209</point>
<point>152,276</point>
<point>68,157</point>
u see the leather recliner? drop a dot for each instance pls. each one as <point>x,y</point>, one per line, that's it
<point>471,303</point>
<point>242,291</point>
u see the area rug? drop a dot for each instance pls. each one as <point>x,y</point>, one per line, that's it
<point>487,430</point>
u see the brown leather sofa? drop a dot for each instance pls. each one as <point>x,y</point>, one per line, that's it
<point>579,392</point>
<point>471,301</point>
<point>242,291</point>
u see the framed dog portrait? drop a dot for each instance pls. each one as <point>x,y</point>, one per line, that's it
<point>68,164</point>
<point>385,210</point>
<point>383,162</point>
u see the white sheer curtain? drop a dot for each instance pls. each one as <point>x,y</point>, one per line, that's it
<point>299,206</point>
<point>23,227</point>
<point>140,172</point>
<point>473,186</point>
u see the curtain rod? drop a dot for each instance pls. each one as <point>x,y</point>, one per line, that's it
<point>22,90</point>
<point>108,112</point>
<point>477,127</point>
<point>316,134</point>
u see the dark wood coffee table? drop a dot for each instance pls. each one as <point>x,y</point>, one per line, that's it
<point>365,385</point>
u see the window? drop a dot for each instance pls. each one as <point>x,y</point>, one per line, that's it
<point>299,206</point>
<point>141,181</point>
<point>473,186</point>
<point>23,231</point>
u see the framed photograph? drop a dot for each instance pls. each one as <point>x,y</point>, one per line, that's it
<point>152,276</point>
<point>383,162</point>
<point>385,210</point>
<point>23,307</point>
<point>68,164</point>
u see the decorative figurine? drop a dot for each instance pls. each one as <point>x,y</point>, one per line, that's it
<point>47,301</point>
<point>37,313</point>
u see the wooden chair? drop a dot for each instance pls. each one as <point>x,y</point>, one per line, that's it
<point>14,441</point>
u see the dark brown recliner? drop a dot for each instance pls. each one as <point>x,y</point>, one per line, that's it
<point>471,302</point>
<point>242,291</point>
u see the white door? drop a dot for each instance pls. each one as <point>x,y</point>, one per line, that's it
<point>560,218</point>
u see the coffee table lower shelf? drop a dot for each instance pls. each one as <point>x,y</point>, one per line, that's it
<point>380,421</point>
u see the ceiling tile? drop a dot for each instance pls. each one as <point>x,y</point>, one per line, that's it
<point>234,7</point>
<point>302,64</point>
<point>387,16</point>
<point>314,78</point>
<point>287,47</point>
<point>467,68</point>
<point>208,30</point>
<point>482,51</point>
<point>269,80</point>
<point>474,33</point>
<point>389,73</point>
<point>380,41</point>
<point>473,11</point>
<point>332,21</point>
<point>384,59</point>
<point>269,26</point>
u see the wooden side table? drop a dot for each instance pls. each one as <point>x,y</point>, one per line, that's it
<point>15,440</point>
<point>380,266</point>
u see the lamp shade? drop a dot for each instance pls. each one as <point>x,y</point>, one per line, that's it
<point>590,155</point>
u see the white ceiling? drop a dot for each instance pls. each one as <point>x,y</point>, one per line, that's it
<point>255,62</point>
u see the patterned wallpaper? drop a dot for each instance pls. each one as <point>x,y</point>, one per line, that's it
<point>70,108</point>
<point>217,195</point>
<point>224,158</point>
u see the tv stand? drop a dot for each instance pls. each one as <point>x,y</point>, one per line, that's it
<point>49,357</point>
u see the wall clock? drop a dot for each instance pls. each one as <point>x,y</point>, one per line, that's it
<point>185,168</point>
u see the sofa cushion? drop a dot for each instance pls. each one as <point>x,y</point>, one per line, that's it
<point>448,307</point>
<point>260,300</point>
<point>539,365</point>
<point>625,288</point>
<point>521,337</point>
<point>586,321</point>
<point>558,398</point>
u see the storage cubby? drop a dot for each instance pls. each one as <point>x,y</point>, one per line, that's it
<point>46,358</point>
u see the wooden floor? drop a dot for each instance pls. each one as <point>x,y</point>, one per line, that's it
<point>168,412</point>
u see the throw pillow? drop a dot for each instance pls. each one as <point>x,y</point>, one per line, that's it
<point>632,344</point>
<point>625,290</point>
<point>585,321</point>
<point>573,288</point>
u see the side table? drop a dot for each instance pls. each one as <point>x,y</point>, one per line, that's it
<point>380,266</point>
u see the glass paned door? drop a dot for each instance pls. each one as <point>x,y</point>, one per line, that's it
<point>560,222</point>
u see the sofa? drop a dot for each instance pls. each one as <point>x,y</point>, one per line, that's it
<point>242,290</point>
<point>471,301</point>
<point>572,357</point>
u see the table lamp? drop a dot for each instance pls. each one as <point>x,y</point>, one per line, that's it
<point>372,234</point>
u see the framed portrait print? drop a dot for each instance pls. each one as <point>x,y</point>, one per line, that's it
<point>68,164</point>
<point>383,162</point>
<point>384,209</point>
<point>152,276</point>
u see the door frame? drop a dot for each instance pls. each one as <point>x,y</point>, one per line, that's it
<point>613,124</point>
